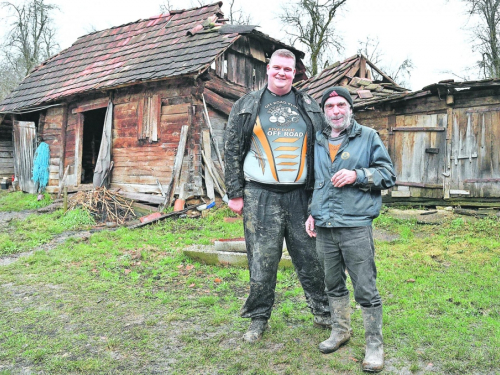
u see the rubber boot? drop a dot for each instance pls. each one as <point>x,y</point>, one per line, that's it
<point>341,324</point>
<point>374,355</point>
<point>256,329</point>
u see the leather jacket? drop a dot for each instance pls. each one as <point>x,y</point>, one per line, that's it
<point>239,131</point>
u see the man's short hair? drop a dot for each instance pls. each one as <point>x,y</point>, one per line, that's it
<point>284,53</point>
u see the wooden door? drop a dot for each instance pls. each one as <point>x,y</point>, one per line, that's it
<point>475,152</point>
<point>418,153</point>
<point>24,152</point>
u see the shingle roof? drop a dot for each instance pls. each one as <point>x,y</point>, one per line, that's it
<point>355,73</point>
<point>145,50</point>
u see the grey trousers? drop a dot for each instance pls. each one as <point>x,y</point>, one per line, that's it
<point>351,248</point>
<point>270,217</point>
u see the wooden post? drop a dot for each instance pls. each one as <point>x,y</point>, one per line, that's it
<point>65,199</point>
<point>177,164</point>
<point>212,134</point>
<point>207,148</point>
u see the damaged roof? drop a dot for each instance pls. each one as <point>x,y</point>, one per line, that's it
<point>172,44</point>
<point>357,74</point>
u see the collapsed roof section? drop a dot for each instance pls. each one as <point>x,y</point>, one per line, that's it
<point>177,43</point>
<point>366,83</point>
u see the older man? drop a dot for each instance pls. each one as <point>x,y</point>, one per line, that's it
<point>351,166</point>
<point>269,170</point>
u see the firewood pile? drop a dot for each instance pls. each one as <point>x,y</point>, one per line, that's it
<point>103,205</point>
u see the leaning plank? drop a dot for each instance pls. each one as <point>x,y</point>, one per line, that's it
<point>176,172</point>
<point>207,147</point>
<point>154,199</point>
<point>63,181</point>
<point>162,217</point>
<point>214,140</point>
<point>209,168</point>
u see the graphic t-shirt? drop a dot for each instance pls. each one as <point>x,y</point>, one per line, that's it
<point>279,142</point>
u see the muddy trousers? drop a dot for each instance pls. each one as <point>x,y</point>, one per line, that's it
<point>270,217</point>
<point>351,248</point>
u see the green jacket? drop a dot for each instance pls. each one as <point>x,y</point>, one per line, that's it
<point>358,204</point>
<point>239,131</point>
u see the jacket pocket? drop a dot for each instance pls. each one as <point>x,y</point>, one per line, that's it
<point>317,199</point>
<point>358,203</point>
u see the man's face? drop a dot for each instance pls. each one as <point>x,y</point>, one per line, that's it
<point>280,75</point>
<point>338,112</point>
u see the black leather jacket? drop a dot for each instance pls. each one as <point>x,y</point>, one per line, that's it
<point>239,130</point>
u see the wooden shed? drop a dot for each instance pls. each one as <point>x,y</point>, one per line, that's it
<point>444,140</point>
<point>124,104</point>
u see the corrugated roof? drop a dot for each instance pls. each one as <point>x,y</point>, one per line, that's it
<point>356,75</point>
<point>145,50</point>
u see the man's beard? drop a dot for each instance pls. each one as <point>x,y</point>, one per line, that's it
<point>344,125</point>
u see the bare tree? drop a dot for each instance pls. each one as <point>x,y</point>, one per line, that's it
<point>237,15</point>
<point>486,33</point>
<point>310,23</point>
<point>30,40</point>
<point>166,6</point>
<point>400,73</point>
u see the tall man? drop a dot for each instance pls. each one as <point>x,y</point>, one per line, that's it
<point>351,166</point>
<point>269,170</point>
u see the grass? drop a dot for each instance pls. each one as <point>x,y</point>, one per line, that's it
<point>37,230</point>
<point>129,301</point>
<point>19,201</point>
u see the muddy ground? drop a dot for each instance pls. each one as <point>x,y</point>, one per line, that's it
<point>23,297</point>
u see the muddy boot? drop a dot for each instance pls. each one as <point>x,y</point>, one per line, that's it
<point>256,329</point>
<point>323,321</point>
<point>374,355</point>
<point>341,324</point>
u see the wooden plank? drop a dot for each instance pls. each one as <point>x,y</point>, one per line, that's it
<point>136,188</point>
<point>154,117</point>
<point>62,153</point>
<point>140,119</point>
<point>155,199</point>
<point>207,148</point>
<point>418,128</point>
<point>419,184</point>
<point>401,194</point>
<point>91,105</point>
<point>175,109</point>
<point>178,161</point>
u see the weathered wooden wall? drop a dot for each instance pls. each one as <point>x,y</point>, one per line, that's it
<point>50,126</point>
<point>6,147</point>
<point>440,150</point>
<point>138,163</point>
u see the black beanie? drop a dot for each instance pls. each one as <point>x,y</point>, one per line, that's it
<point>336,91</point>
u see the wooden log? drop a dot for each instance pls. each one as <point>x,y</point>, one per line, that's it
<point>218,102</point>
<point>225,88</point>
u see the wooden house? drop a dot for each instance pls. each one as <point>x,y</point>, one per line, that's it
<point>138,103</point>
<point>444,140</point>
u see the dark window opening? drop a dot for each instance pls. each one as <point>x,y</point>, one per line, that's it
<point>93,125</point>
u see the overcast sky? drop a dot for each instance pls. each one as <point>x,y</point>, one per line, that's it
<point>430,32</point>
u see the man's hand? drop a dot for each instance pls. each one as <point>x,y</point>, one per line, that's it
<point>310,226</point>
<point>343,177</point>
<point>236,205</point>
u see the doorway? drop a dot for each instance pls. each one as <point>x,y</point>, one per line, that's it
<point>93,124</point>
